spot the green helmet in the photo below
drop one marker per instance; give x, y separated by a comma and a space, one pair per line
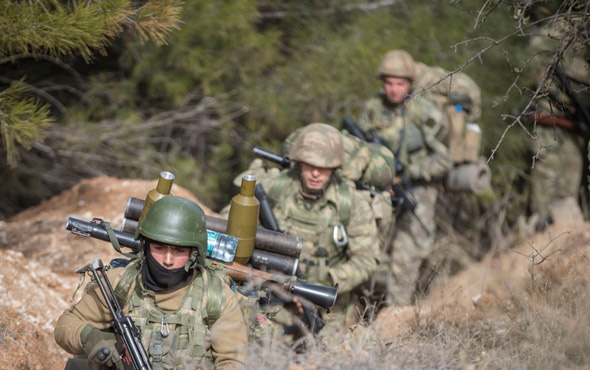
397, 63
319, 145
177, 221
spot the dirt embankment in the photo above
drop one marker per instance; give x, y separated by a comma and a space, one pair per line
38, 258
37, 262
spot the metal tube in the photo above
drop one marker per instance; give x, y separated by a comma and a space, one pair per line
96, 231
133, 208
266, 261
266, 240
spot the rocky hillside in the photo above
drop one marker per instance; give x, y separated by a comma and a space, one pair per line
510, 298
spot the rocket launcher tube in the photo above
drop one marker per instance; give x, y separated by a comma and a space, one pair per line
321, 295
219, 246
264, 260
266, 240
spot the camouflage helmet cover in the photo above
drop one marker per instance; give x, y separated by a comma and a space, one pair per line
319, 145
397, 63
177, 221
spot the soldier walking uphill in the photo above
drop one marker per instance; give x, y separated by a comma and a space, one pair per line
312, 200
169, 294
413, 130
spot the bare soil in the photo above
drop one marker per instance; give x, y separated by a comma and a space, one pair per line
38, 258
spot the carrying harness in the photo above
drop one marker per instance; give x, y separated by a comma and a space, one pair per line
188, 323
310, 223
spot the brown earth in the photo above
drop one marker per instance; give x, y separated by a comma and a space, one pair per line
37, 262
38, 257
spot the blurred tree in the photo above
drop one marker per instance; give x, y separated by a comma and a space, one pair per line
51, 30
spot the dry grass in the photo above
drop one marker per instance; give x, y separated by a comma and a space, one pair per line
545, 325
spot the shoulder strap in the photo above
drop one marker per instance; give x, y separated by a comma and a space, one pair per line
214, 296
125, 283
344, 202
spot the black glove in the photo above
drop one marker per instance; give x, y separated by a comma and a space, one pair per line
100, 347
312, 319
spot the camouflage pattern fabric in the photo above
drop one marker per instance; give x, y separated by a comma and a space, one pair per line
413, 130
558, 171
457, 89
190, 343
458, 97
322, 261
422, 152
363, 161
410, 248
372, 164
318, 144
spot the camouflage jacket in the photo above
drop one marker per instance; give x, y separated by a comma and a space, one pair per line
323, 261
413, 132
191, 344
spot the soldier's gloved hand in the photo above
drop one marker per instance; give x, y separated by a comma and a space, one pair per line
99, 347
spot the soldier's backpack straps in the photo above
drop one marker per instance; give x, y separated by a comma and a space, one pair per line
344, 202
213, 293
125, 283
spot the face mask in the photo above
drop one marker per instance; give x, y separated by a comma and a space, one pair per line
158, 278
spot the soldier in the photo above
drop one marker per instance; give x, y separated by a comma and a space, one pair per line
557, 173
413, 129
189, 318
312, 200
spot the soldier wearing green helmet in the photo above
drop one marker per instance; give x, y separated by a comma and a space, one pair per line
170, 295
414, 130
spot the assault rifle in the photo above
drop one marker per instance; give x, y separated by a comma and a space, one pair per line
133, 355
282, 160
324, 296
403, 198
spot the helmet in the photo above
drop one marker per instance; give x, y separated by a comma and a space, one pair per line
319, 145
177, 221
397, 63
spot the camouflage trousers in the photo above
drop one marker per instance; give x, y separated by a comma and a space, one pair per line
411, 245
558, 172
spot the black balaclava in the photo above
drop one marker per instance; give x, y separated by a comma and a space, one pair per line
158, 278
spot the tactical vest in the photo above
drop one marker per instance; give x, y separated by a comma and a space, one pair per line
402, 135
316, 223
174, 340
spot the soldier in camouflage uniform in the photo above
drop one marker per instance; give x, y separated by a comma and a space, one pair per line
189, 318
372, 167
557, 173
413, 129
312, 200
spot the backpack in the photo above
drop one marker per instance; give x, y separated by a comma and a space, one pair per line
459, 99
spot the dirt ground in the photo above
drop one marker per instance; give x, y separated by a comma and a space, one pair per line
38, 258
